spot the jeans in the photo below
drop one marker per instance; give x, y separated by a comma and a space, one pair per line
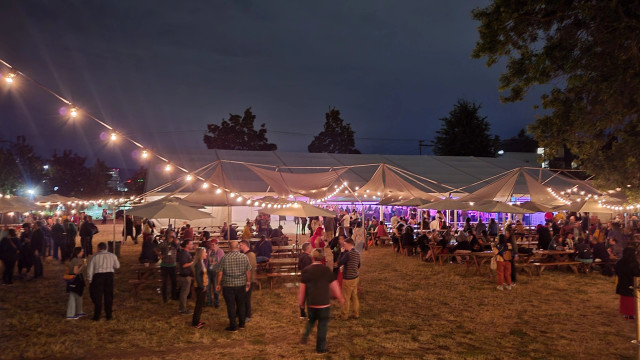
261, 259
322, 316
168, 273
213, 296
185, 287
504, 272
350, 292
74, 305
7, 274
234, 297
200, 295
102, 286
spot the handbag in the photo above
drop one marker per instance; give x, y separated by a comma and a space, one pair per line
76, 285
494, 264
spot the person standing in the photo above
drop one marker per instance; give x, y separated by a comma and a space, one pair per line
9, 252
234, 274
305, 256
503, 260
37, 249
104, 216
245, 249
127, 231
75, 302
626, 269
350, 259
86, 237
303, 225
214, 255
168, 251
186, 275
316, 284
201, 281
72, 232
100, 275
57, 233
137, 226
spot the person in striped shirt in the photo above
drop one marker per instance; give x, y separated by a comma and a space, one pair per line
100, 275
350, 259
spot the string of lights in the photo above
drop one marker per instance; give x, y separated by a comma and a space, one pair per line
74, 112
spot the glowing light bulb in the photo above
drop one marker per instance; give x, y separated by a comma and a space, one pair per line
73, 112
114, 136
239, 199
232, 194
9, 78
167, 167
205, 185
145, 154
189, 177
218, 191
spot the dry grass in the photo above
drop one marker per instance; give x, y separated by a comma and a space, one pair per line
409, 310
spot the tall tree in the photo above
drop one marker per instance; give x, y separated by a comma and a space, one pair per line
68, 174
238, 133
337, 137
20, 167
588, 55
465, 133
97, 180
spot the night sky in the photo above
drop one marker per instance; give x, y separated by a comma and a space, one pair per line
160, 70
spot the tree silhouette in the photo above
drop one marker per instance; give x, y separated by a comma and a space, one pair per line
238, 133
465, 133
337, 137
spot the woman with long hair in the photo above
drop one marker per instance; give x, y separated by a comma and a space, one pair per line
503, 253
74, 268
626, 268
201, 280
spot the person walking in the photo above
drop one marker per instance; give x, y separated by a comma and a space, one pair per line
100, 275
316, 284
201, 280
58, 235
9, 252
86, 237
75, 267
234, 278
350, 259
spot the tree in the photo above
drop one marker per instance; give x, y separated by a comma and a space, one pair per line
97, 180
337, 137
588, 54
135, 184
20, 167
465, 133
68, 174
238, 133
520, 143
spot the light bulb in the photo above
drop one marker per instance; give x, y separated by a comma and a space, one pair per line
114, 136
189, 177
205, 185
145, 154
167, 167
218, 191
73, 112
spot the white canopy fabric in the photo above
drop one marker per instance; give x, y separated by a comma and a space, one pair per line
385, 183
313, 184
300, 209
167, 209
447, 204
492, 206
590, 205
16, 203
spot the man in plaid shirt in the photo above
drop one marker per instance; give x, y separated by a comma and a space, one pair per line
234, 276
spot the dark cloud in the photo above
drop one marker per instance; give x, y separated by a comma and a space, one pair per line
162, 70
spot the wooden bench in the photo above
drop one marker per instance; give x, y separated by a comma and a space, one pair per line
540, 266
136, 284
279, 275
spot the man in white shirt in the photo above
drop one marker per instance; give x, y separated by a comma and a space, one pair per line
346, 223
100, 275
434, 225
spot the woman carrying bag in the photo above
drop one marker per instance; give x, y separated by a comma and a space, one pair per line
75, 284
503, 257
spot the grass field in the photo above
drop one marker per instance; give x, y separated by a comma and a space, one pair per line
409, 310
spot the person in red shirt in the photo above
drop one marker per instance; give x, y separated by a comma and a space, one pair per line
381, 234
188, 233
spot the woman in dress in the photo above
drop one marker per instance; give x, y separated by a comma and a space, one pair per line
626, 268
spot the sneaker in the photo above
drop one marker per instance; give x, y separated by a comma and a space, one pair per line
230, 329
200, 325
72, 317
499, 287
81, 315
513, 284
508, 287
241, 327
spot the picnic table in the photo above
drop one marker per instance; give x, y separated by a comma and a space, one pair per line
145, 274
542, 259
